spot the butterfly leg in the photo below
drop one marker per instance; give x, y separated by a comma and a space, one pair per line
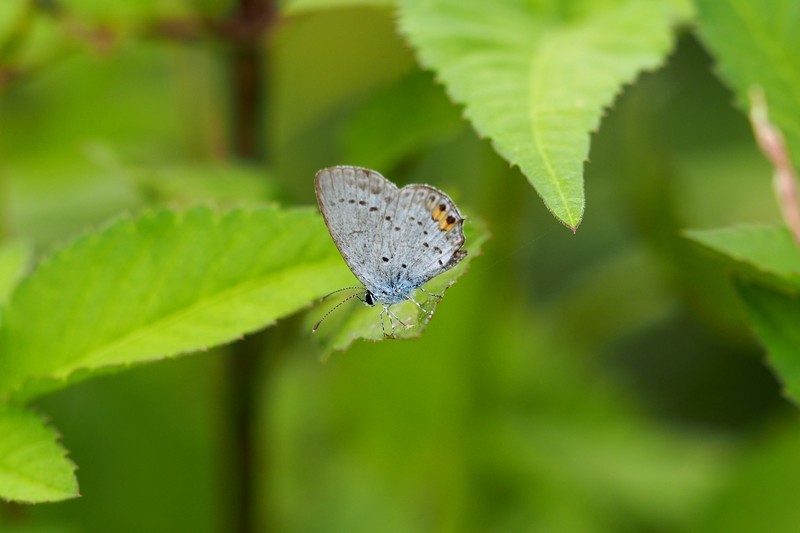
395, 317
383, 326
390, 316
440, 296
429, 313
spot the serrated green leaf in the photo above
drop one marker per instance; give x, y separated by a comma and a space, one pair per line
768, 249
14, 260
33, 465
758, 44
363, 322
536, 77
162, 284
775, 317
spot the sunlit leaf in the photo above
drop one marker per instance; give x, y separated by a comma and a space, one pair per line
162, 284
775, 317
33, 465
536, 77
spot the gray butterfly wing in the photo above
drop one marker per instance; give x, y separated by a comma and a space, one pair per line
353, 202
389, 237
430, 234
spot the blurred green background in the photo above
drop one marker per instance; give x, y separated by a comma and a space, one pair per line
602, 381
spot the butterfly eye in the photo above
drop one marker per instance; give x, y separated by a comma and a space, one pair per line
369, 299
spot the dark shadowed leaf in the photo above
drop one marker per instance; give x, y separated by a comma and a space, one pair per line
775, 317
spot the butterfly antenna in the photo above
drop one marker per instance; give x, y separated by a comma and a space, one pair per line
335, 307
340, 290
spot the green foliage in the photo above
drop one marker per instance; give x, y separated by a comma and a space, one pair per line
33, 466
602, 381
535, 78
160, 285
768, 250
387, 429
775, 316
757, 44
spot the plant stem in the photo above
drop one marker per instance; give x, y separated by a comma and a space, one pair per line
242, 382
245, 31
772, 143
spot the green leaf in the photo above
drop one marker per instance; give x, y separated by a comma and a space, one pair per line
769, 250
775, 317
362, 322
758, 44
536, 77
159, 285
33, 466
14, 260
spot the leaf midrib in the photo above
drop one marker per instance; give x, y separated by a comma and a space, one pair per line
535, 113
170, 319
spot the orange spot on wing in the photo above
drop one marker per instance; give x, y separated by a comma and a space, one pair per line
444, 225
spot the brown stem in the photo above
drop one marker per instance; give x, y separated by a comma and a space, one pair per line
242, 381
245, 32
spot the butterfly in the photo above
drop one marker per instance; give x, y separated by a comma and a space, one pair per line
394, 240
